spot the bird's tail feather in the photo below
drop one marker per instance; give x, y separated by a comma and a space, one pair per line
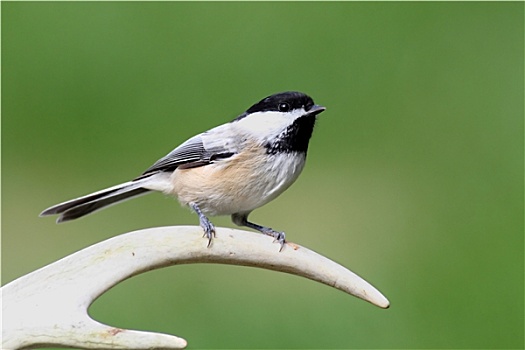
79, 207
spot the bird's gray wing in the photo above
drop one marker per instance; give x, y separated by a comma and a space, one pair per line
195, 152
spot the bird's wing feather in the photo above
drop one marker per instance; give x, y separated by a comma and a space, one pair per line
189, 152
197, 151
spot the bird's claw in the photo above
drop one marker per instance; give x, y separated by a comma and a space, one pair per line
209, 229
277, 235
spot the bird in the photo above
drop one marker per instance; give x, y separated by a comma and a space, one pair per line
231, 169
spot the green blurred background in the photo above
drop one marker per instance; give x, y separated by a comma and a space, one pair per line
414, 179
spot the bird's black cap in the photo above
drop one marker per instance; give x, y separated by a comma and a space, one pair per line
276, 102
280, 102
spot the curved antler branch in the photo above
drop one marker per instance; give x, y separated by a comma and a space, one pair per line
48, 307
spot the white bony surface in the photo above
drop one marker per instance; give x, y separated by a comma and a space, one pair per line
48, 307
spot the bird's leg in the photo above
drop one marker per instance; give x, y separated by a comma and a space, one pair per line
242, 220
209, 229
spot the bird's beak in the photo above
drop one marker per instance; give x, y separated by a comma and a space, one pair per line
316, 109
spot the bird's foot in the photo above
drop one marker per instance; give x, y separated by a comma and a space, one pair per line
209, 230
277, 235
207, 226
242, 220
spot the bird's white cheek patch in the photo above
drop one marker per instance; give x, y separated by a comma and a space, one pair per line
265, 125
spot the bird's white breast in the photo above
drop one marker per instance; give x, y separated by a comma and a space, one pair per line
238, 184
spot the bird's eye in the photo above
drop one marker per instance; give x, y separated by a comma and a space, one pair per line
284, 107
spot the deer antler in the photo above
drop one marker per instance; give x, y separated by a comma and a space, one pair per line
48, 307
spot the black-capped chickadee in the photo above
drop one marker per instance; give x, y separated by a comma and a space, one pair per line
231, 169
